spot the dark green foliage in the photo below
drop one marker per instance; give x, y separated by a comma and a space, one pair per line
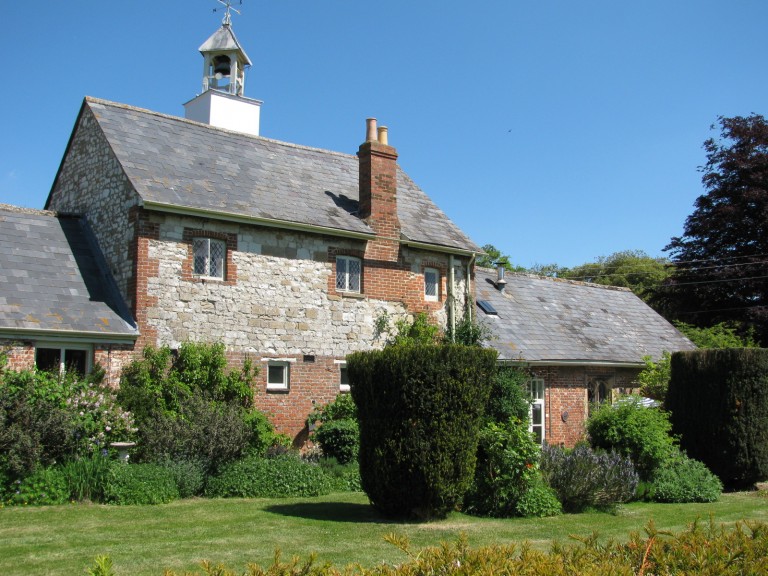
509, 399
418, 332
719, 405
131, 484
339, 439
342, 408
722, 335
43, 487
538, 500
585, 478
506, 470
86, 477
210, 433
628, 428
279, 477
343, 477
36, 428
420, 410
683, 479
189, 476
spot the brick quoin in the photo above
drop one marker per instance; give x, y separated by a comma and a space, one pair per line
144, 268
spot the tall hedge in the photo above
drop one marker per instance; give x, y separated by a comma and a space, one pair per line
420, 410
719, 405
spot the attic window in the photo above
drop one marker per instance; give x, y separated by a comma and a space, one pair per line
209, 257
487, 307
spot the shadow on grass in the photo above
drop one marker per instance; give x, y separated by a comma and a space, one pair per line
334, 511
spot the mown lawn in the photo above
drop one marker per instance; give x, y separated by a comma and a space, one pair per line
340, 528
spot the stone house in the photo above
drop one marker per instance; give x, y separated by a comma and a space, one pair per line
582, 343
286, 254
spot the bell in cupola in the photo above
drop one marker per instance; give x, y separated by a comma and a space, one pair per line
222, 66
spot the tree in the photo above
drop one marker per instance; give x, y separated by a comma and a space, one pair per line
493, 257
632, 269
721, 260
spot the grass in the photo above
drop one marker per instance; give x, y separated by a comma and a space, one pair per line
341, 528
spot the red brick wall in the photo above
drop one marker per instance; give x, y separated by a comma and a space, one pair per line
565, 396
113, 358
20, 355
144, 267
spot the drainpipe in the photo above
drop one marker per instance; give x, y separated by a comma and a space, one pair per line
451, 299
470, 263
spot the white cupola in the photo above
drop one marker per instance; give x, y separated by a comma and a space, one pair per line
223, 102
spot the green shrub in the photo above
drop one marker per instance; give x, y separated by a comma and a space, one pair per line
683, 479
280, 477
510, 397
538, 500
584, 478
343, 477
189, 476
44, 487
507, 466
140, 484
719, 405
339, 439
341, 408
86, 477
654, 378
420, 410
630, 429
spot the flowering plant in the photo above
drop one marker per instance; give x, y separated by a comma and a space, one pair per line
98, 418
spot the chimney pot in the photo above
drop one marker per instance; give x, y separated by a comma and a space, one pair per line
383, 135
370, 135
500, 282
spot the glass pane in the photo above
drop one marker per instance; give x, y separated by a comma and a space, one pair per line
76, 361
538, 434
200, 248
218, 253
430, 283
48, 359
341, 273
276, 375
354, 275
343, 377
536, 414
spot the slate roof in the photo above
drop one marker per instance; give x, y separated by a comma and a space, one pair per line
560, 321
224, 39
177, 162
52, 279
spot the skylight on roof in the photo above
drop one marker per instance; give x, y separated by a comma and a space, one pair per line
487, 307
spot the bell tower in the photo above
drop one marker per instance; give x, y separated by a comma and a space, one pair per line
223, 102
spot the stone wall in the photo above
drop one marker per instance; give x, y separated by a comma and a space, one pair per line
92, 183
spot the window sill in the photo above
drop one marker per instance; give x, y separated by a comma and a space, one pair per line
275, 389
357, 295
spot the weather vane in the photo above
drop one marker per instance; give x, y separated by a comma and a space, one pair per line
228, 9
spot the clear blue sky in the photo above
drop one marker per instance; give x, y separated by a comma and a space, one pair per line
558, 131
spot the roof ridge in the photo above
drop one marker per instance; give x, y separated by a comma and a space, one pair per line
561, 280
23, 210
93, 99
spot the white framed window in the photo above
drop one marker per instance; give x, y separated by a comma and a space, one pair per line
209, 256
537, 415
278, 375
343, 375
431, 284
62, 358
348, 272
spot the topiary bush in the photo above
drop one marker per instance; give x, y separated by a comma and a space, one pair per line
140, 484
627, 427
279, 477
719, 405
584, 478
684, 479
420, 409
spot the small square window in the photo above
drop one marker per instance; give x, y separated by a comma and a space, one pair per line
209, 257
343, 378
278, 375
348, 272
431, 284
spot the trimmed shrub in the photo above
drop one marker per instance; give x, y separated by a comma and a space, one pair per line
683, 479
44, 487
339, 439
719, 405
635, 431
140, 484
280, 477
584, 478
420, 409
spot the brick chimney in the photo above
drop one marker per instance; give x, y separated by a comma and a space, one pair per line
378, 187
